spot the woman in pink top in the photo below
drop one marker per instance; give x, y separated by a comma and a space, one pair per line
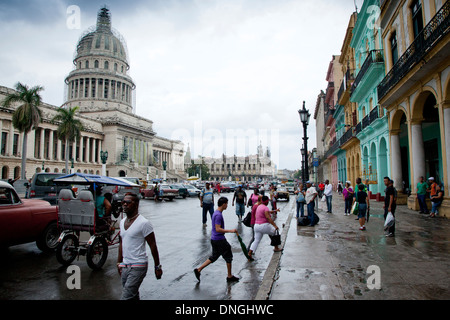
253, 219
263, 225
253, 198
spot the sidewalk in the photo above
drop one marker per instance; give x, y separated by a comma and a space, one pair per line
330, 261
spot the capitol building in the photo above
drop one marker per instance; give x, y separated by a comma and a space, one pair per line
100, 85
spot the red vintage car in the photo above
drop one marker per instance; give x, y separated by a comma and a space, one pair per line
168, 193
26, 220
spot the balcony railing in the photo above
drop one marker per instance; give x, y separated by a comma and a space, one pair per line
374, 56
350, 133
341, 90
349, 76
335, 145
367, 120
374, 114
434, 31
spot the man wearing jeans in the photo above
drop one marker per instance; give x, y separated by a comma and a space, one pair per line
422, 187
207, 202
328, 192
310, 196
132, 260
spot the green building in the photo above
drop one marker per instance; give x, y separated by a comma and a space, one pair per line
373, 128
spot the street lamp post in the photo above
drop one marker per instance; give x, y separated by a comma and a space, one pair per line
304, 118
103, 157
302, 150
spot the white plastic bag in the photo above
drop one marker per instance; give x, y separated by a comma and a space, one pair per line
389, 221
324, 198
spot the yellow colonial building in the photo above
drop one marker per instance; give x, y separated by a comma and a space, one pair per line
349, 142
416, 93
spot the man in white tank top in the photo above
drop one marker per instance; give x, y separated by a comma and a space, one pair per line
132, 260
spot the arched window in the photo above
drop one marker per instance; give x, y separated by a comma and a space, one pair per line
115, 66
106, 65
96, 64
87, 64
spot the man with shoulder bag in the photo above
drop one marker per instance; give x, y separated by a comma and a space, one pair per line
300, 200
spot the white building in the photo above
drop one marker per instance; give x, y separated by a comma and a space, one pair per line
101, 86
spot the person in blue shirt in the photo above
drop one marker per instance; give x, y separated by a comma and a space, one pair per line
207, 202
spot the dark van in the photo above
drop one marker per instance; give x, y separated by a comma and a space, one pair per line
42, 186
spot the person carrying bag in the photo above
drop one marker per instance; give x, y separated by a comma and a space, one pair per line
300, 200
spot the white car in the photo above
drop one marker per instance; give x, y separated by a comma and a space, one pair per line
192, 190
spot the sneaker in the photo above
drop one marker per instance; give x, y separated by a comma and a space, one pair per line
390, 235
362, 228
197, 274
232, 279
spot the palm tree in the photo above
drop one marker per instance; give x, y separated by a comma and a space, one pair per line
69, 128
27, 116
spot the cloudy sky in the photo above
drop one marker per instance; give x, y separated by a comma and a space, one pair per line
221, 75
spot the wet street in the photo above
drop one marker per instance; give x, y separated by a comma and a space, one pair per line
183, 244
332, 261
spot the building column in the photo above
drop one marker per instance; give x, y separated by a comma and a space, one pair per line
418, 153
1, 130
42, 145
446, 107
50, 145
98, 151
58, 150
88, 150
74, 151
396, 160
81, 148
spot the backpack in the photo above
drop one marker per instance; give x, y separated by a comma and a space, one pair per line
303, 221
315, 219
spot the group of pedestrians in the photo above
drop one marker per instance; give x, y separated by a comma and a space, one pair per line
306, 196
357, 199
262, 222
136, 231
436, 196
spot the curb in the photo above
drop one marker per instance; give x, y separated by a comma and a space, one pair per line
272, 269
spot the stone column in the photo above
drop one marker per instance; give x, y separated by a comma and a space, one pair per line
42, 145
98, 151
50, 145
418, 153
73, 147
1, 128
88, 150
396, 159
81, 148
58, 150
446, 107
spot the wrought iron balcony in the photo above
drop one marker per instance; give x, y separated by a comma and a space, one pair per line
368, 120
349, 134
374, 114
433, 32
345, 84
374, 56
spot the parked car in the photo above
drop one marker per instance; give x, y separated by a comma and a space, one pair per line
192, 190
26, 220
43, 187
225, 187
168, 193
182, 191
290, 186
119, 192
282, 193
